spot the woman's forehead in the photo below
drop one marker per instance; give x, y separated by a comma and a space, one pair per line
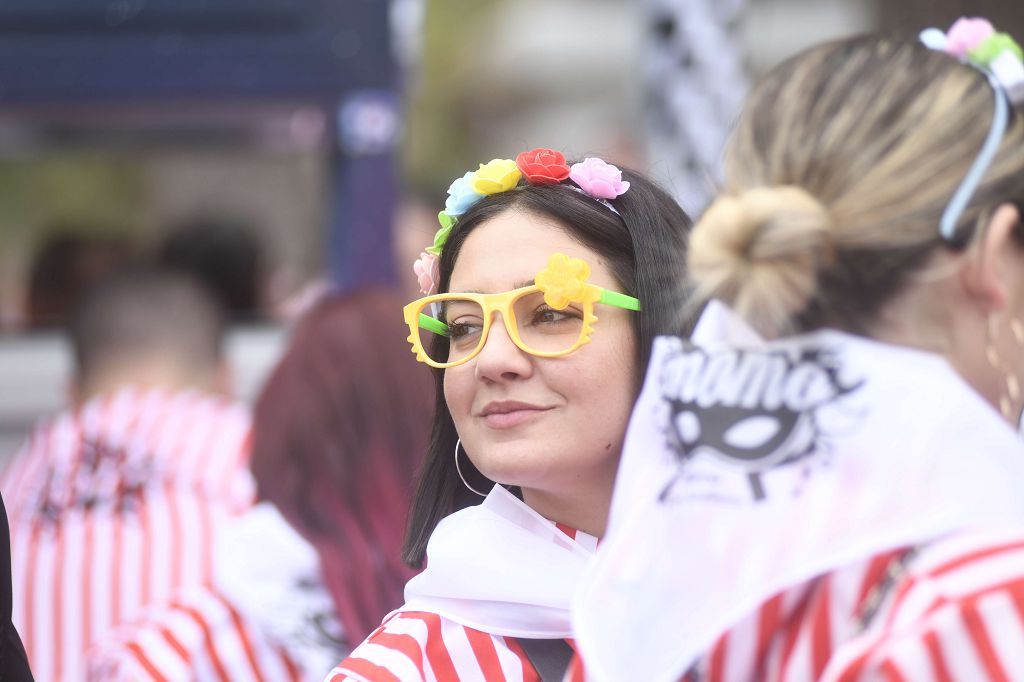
509, 250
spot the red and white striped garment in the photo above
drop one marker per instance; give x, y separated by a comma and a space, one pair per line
202, 636
412, 646
115, 506
267, 616
954, 612
417, 646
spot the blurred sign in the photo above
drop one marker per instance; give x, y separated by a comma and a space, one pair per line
93, 49
368, 123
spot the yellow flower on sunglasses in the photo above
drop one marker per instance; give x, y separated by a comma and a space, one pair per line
551, 318
498, 175
565, 281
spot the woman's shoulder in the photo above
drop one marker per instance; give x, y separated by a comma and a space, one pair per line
199, 635
411, 646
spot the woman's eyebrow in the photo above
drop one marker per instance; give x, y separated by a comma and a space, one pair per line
515, 285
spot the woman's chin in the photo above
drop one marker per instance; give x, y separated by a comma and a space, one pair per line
515, 470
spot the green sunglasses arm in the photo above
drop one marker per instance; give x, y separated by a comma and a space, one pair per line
433, 325
619, 300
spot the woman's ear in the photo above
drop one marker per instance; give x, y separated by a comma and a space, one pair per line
995, 266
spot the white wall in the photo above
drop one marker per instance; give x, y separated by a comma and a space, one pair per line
34, 372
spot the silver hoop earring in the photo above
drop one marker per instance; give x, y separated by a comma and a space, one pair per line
458, 442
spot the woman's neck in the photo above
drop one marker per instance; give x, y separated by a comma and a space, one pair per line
585, 510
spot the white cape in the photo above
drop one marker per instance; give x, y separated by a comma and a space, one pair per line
747, 472
272, 575
501, 568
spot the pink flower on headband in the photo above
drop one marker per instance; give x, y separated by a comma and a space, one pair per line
428, 273
967, 34
598, 179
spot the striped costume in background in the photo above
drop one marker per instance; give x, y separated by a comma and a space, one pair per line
484, 600
412, 646
114, 506
954, 612
267, 616
200, 636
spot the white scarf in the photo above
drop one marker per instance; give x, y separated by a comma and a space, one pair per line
501, 568
898, 450
272, 575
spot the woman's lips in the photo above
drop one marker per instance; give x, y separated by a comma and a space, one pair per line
508, 415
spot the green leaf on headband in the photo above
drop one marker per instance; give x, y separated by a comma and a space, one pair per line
992, 47
441, 237
447, 221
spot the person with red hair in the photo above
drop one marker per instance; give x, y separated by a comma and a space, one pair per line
339, 431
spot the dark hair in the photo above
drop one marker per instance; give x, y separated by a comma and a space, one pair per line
146, 312
65, 266
225, 255
339, 431
645, 249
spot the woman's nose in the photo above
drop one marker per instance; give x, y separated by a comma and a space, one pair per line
501, 359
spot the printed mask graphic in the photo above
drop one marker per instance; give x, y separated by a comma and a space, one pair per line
751, 410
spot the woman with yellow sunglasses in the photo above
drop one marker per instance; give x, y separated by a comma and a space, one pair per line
555, 280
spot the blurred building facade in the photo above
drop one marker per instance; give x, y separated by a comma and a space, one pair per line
124, 118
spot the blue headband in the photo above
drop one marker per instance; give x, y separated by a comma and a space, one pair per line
996, 55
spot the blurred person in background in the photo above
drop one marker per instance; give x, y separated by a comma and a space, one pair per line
118, 502
339, 431
842, 501
66, 265
533, 394
226, 256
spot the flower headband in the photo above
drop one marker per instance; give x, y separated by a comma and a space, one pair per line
976, 43
593, 177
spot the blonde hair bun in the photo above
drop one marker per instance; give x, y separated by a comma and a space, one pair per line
759, 252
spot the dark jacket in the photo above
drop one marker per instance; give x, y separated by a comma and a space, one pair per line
13, 661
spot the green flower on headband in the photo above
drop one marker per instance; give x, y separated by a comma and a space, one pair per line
992, 47
441, 236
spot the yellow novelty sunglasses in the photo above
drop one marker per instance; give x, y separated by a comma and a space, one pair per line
551, 318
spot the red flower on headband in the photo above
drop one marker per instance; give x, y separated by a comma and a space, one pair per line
543, 166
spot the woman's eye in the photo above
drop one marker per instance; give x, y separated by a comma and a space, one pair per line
461, 330
549, 316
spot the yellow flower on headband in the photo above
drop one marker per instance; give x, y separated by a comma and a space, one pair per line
499, 175
565, 281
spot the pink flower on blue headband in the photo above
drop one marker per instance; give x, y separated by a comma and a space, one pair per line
966, 34
975, 41
598, 179
461, 195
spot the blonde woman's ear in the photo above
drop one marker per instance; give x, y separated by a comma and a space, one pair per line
996, 270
